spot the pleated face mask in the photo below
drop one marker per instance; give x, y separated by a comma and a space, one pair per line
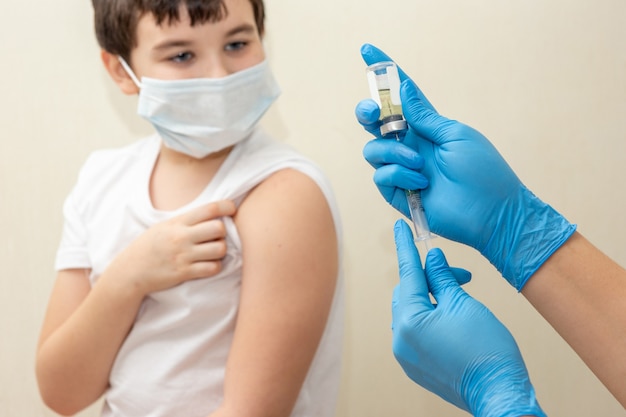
200, 116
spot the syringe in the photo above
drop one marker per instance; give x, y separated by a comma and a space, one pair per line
384, 83
418, 216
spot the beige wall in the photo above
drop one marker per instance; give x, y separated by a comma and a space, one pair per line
546, 81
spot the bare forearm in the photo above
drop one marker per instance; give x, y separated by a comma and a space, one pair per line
581, 293
74, 362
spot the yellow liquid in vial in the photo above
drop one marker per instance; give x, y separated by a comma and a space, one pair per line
387, 108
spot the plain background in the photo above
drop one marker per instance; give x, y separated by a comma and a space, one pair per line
545, 81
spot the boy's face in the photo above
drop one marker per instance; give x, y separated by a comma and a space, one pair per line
210, 50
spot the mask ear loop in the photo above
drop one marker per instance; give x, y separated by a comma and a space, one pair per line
129, 71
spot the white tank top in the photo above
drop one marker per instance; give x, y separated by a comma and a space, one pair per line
172, 362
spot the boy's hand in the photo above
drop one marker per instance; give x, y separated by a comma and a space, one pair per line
180, 249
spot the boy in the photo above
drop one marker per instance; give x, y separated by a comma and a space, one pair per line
198, 273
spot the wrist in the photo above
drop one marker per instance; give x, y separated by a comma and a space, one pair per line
529, 231
503, 393
119, 281
511, 401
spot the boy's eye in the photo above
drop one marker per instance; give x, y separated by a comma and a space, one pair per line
182, 57
235, 46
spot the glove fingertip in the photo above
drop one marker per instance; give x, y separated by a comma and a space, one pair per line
462, 276
371, 54
439, 275
401, 229
436, 258
366, 48
367, 112
408, 256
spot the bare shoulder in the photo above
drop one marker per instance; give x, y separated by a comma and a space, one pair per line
289, 179
276, 216
287, 190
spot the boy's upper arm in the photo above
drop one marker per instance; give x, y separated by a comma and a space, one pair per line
70, 289
289, 276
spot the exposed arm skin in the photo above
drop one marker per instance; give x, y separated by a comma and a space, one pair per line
289, 276
84, 327
83, 330
581, 293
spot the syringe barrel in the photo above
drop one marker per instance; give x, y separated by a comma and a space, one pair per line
418, 216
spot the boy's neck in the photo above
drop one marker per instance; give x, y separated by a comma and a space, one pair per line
178, 158
177, 179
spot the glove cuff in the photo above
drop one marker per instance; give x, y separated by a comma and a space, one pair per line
510, 405
500, 387
527, 233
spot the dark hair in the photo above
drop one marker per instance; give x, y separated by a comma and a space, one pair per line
116, 20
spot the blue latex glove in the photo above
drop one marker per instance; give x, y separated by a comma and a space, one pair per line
457, 348
470, 194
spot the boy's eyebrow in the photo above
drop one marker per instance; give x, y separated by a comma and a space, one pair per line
243, 28
177, 43
172, 43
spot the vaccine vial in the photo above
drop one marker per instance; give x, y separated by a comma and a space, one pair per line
384, 83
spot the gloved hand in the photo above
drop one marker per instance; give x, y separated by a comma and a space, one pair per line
470, 194
456, 348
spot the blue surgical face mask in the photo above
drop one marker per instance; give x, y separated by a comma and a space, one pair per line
200, 116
